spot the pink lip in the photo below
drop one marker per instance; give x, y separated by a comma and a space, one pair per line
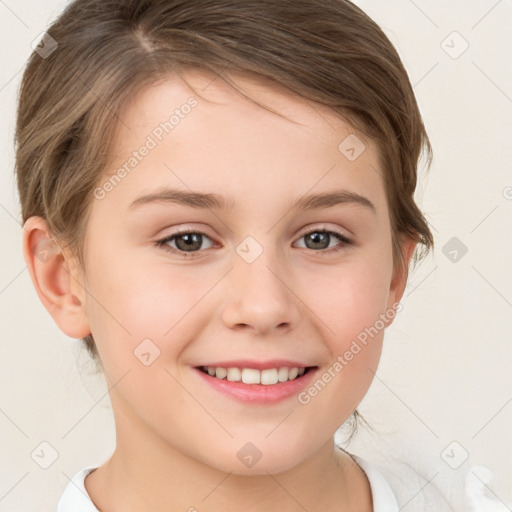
258, 393
257, 365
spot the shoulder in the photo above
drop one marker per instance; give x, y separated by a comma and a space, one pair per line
405, 484
75, 496
383, 496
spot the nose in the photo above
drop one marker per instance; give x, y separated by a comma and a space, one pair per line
260, 296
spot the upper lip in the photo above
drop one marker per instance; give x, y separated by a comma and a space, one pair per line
257, 365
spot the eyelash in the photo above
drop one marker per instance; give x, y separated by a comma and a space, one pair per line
190, 254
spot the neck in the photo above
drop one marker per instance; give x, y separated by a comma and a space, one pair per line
146, 473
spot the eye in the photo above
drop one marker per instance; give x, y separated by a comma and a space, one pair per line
186, 242
319, 239
189, 242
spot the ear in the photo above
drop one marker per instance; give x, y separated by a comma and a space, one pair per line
399, 279
57, 278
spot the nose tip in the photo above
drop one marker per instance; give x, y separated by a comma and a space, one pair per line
259, 327
259, 298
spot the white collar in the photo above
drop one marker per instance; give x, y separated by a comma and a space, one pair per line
76, 499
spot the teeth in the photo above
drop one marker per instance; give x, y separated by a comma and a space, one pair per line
220, 373
269, 376
253, 376
234, 374
282, 374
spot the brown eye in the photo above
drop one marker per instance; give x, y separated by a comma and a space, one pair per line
186, 242
189, 241
320, 240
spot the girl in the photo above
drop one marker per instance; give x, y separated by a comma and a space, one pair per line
218, 199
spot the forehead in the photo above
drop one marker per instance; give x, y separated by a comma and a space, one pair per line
220, 103
205, 136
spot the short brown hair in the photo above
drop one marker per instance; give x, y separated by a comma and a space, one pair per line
327, 51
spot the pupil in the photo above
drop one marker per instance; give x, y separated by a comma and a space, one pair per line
319, 237
190, 239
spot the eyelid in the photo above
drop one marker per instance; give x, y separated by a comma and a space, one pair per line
324, 227
162, 242
345, 240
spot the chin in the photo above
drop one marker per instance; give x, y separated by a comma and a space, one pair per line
252, 459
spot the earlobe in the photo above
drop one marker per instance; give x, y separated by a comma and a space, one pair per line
56, 279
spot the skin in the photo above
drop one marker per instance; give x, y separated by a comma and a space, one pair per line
177, 439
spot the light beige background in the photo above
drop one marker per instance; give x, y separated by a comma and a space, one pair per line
445, 374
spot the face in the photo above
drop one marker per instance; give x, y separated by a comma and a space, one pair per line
263, 280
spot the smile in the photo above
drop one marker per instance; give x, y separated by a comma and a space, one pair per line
266, 377
258, 386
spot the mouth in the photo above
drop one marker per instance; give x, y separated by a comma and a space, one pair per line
257, 385
267, 377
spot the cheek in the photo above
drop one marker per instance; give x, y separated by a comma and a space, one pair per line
352, 303
134, 301
351, 308
352, 300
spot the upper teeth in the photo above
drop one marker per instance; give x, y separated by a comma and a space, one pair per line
253, 376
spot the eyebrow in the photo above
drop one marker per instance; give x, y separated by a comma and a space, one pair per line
214, 201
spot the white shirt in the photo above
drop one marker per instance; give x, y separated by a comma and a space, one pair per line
76, 499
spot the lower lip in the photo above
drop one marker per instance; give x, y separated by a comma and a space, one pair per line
259, 393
